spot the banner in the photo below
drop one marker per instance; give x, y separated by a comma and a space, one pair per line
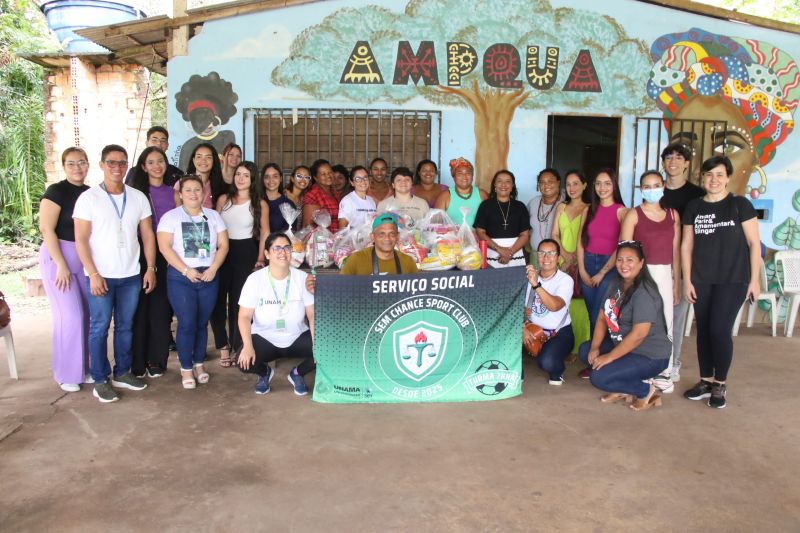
428, 337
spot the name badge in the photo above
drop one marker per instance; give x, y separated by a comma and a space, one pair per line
280, 324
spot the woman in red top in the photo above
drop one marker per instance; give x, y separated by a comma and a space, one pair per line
658, 229
321, 195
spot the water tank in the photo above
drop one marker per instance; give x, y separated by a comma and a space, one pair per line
66, 16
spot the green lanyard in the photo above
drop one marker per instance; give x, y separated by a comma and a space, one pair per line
281, 304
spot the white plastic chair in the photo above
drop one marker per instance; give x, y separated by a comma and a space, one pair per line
765, 295
690, 318
10, 353
788, 262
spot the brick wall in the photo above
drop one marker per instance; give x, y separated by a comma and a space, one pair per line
91, 107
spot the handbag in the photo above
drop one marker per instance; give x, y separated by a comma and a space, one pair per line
5, 311
533, 344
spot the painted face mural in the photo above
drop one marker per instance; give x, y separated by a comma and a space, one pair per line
750, 86
206, 103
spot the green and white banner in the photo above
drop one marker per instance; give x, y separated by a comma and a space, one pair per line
428, 337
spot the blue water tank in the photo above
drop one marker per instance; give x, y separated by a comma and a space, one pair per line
66, 16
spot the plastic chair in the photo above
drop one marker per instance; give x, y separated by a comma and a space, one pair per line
788, 262
734, 331
10, 353
765, 295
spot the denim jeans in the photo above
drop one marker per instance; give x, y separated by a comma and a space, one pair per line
626, 374
554, 351
121, 300
193, 304
593, 296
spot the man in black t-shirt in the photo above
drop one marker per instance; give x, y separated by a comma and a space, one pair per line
158, 137
678, 191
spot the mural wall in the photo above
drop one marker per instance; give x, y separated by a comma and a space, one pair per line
496, 70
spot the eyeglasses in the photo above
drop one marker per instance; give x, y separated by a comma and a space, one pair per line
302, 177
76, 164
159, 140
118, 164
278, 249
547, 253
359, 179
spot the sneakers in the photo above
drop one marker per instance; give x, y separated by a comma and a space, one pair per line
70, 387
298, 382
262, 385
88, 378
700, 391
104, 392
717, 399
585, 373
557, 382
676, 374
154, 372
128, 381
663, 383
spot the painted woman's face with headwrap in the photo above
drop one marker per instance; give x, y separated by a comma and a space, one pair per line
713, 138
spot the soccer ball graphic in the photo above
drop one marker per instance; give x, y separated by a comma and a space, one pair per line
492, 389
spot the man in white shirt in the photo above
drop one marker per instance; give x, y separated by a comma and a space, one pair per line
107, 218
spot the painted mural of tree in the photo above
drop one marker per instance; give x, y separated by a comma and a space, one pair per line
319, 54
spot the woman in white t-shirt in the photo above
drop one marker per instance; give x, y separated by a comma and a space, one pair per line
273, 310
194, 241
547, 306
357, 207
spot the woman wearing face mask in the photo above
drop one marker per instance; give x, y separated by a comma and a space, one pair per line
271, 190
246, 216
658, 230
358, 206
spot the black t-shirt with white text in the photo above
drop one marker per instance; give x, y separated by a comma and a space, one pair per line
720, 253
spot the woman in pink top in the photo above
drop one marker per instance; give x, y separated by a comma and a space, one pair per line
599, 237
658, 230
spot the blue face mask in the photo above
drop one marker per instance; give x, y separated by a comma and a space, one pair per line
653, 195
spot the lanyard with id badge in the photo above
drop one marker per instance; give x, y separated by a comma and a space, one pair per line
280, 323
198, 237
120, 214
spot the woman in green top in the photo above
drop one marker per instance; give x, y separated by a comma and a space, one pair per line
566, 231
464, 194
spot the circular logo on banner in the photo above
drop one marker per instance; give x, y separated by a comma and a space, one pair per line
420, 347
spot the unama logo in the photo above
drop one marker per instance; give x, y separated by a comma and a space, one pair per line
420, 348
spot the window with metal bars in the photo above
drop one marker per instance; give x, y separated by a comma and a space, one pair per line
291, 137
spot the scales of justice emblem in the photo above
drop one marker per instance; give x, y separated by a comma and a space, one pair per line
419, 349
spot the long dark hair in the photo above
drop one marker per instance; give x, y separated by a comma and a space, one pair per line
493, 192
263, 188
581, 176
642, 279
255, 197
141, 180
218, 185
594, 204
290, 185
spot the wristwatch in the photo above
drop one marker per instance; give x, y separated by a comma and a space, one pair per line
538, 285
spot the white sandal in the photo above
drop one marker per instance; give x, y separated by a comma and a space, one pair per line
187, 382
200, 373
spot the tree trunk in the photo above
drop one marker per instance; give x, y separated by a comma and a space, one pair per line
494, 110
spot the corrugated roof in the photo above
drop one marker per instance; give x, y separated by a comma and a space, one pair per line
146, 41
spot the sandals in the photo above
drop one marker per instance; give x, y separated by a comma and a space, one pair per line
614, 397
225, 359
653, 399
200, 373
187, 381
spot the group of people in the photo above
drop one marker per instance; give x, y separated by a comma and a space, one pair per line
209, 246
637, 271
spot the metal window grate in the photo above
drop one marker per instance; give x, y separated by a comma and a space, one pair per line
703, 137
292, 137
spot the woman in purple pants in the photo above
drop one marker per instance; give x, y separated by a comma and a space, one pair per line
62, 273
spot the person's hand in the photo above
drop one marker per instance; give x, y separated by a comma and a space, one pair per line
753, 290
311, 283
259, 265
689, 292
208, 274
193, 275
585, 277
676, 294
149, 281
63, 277
600, 361
246, 357
97, 285
594, 353
533, 276
597, 279
504, 254
569, 258
527, 335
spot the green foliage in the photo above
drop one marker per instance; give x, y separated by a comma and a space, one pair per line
783, 10
22, 175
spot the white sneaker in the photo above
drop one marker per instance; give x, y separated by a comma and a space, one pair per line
557, 382
70, 387
663, 383
88, 378
676, 374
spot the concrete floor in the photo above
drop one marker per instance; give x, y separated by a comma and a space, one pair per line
221, 458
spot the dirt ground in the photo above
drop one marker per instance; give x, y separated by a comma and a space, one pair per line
220, 458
